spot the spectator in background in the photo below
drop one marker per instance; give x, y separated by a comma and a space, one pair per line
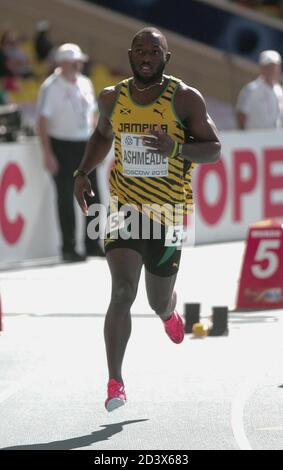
17, 60
260, 102
66, 120
9, 81
43, 44
3, 95
4, 65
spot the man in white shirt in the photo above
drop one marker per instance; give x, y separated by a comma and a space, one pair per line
260, 102
66, 119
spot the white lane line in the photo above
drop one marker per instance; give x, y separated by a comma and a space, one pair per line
12, 390
237, 415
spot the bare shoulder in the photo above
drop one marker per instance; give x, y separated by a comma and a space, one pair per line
188, 100
107, 99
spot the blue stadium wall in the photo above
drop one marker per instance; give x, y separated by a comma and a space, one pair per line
213, 26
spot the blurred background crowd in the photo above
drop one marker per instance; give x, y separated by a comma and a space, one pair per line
26, 59
237, 28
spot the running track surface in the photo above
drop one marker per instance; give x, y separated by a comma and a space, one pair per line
213, 393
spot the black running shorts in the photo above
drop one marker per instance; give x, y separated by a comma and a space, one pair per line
160, 249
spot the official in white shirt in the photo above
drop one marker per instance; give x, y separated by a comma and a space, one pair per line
260, 102
66, 119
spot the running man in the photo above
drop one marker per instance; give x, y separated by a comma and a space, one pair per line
161, 130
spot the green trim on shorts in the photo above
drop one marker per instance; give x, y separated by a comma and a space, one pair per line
169, 251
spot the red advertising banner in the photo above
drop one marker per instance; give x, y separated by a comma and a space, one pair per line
261, 280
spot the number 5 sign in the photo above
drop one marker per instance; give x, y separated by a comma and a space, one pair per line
261, 281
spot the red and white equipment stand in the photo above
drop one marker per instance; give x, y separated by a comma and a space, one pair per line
261, 281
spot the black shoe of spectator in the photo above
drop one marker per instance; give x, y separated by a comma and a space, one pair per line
73, 257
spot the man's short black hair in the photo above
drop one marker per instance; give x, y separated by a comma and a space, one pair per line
153, 32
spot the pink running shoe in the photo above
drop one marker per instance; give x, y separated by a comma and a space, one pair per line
116, 395
174, 328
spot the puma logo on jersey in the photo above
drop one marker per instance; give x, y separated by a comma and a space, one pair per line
160, 112
125, 111
109, 240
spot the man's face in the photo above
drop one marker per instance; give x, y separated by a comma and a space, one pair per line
148, 57
74, 66
271, 72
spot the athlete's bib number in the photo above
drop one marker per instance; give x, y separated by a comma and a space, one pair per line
115, 222
139, 161
174, 235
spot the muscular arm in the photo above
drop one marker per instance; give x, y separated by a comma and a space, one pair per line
98, 146
205, 146
191, 110
100, 142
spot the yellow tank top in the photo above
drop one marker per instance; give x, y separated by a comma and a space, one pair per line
144, 178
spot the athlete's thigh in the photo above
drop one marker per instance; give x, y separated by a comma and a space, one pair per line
161, 268
160, 259
159, 289
125, 265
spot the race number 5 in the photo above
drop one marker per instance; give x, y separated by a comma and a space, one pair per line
174, 235
266, 252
